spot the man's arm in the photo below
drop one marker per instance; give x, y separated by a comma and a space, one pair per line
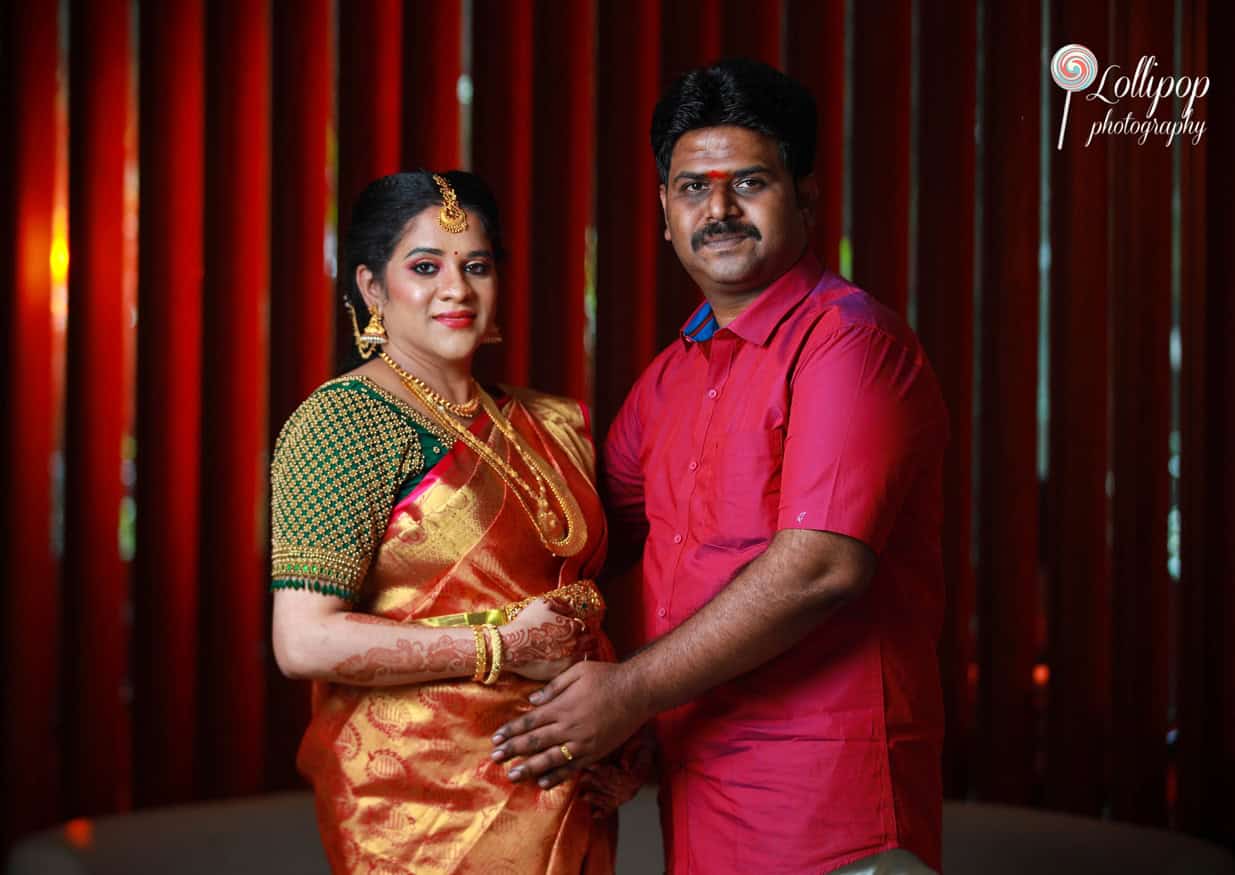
772, 604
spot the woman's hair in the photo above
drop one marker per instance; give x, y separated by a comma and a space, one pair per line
382, 211
743, 93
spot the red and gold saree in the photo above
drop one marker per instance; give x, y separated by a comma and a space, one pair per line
402, 775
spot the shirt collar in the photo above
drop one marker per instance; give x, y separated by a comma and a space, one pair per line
762, 315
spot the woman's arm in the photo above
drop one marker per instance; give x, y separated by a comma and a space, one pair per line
316, 637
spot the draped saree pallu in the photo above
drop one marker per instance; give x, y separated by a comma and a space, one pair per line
402, 774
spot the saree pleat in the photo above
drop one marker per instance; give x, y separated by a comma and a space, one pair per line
402, 775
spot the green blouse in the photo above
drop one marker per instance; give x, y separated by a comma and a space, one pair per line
343, 460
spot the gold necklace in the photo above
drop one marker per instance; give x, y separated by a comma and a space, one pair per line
431, 398
546, 523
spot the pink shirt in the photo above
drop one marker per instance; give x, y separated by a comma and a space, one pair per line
814, 409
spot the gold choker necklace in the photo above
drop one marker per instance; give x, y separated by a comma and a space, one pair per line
426, 394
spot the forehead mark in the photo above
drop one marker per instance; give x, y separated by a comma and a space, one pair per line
718, 174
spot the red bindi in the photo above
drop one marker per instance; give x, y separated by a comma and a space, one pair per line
717, 174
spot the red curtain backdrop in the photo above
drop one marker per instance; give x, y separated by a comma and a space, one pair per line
169, 225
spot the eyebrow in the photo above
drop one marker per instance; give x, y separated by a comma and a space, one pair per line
475, 253
741, 171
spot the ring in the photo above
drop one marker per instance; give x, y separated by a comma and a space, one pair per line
566, 752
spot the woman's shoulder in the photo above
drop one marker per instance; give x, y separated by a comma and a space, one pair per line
543, 405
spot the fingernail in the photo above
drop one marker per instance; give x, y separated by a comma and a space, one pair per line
498, 738
498, 755
536, 697
515, 774
544, 783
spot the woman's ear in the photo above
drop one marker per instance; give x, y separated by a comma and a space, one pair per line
370, 288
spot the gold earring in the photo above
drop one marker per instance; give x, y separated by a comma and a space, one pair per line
493, 335
375, 332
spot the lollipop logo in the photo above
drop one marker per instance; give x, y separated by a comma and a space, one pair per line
1073, 68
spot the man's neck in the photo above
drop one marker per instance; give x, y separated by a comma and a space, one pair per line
729, 306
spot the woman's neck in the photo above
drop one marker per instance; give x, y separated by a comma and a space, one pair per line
452, 379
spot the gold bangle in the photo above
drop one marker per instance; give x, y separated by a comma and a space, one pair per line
482, 655
495, 655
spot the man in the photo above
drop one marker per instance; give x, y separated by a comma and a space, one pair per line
782, 461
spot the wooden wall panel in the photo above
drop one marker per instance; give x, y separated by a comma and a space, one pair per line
302, 299
1077, 512
31, 678
100, 408
235, 462
1141, 320
169, 373
945, 326
880, 160
1007, 583
502, 145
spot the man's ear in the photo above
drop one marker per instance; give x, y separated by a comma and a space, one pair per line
370, 288
808, 198
664, 209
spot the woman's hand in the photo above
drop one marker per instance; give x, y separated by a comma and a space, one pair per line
544, 640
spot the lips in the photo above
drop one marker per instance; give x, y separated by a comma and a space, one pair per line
456, 319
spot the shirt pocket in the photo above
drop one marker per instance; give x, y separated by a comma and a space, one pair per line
742, 501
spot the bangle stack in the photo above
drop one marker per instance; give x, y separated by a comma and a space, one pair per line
488, 660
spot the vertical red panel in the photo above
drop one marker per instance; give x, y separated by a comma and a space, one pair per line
1077, 511
562, 194
880, 160
815, 31
302, 301
100, 407
370, 112
1207, 650
1007, 533
29, 150
1141, 324
629, 219
692, 37
234, 397
754, 30
945, 324
432, 62
502, 146
168, 400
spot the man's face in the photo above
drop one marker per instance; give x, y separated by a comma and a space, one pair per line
732, 211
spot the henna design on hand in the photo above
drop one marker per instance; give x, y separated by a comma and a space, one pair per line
408, 659
548, 642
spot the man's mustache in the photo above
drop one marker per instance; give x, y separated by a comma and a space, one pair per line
718, 229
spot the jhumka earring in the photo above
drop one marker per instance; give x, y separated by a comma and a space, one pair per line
374, 334
493, 335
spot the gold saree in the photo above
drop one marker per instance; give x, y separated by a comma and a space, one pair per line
402, 775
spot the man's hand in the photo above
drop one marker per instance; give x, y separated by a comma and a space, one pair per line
591, 709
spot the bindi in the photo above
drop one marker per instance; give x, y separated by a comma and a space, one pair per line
718, 175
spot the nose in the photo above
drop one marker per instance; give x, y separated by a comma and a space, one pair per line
721, 202
454, 284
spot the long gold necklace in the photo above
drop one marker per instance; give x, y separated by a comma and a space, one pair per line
431, 398
564, 537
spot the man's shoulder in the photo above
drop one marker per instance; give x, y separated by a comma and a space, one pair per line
838, 306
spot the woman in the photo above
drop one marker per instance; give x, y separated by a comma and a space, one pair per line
416, 521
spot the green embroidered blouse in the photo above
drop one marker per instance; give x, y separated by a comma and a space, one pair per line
342, 461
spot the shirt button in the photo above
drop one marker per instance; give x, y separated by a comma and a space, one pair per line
711, 393
677, 539
693, 464
660, 612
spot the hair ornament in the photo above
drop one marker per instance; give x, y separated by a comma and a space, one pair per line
451, 218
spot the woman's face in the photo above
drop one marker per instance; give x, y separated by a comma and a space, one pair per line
439, 291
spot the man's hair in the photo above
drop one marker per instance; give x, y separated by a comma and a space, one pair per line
743, 93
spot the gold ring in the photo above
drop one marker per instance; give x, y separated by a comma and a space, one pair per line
566, 752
